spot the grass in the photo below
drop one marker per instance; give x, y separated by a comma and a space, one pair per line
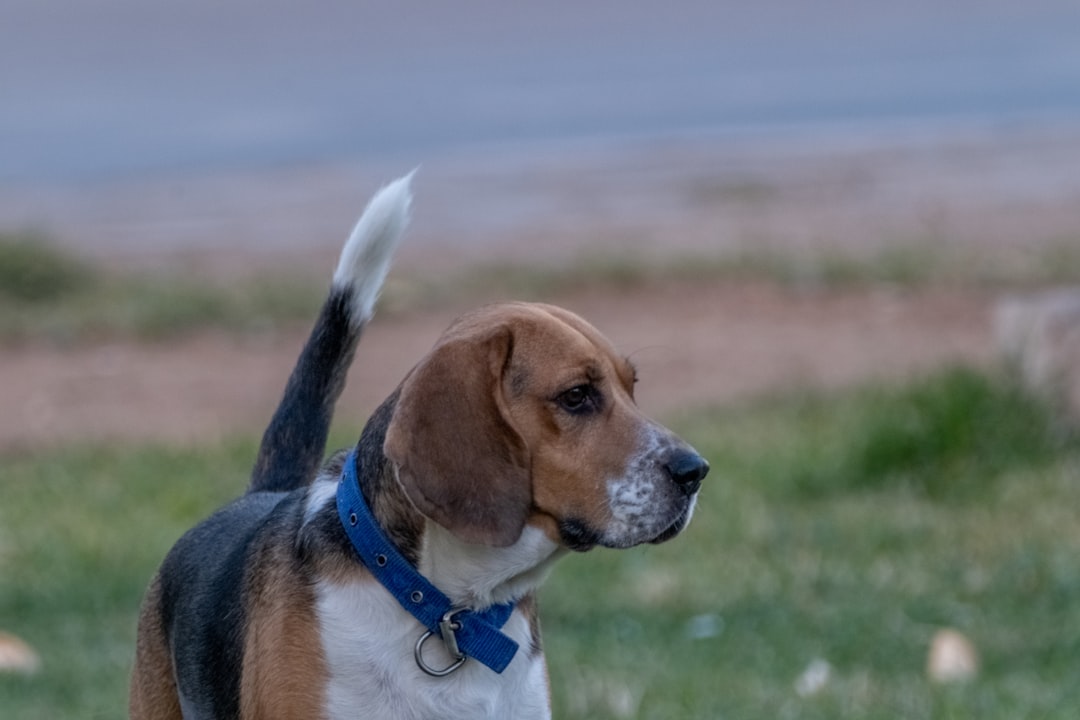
47, 294
906, 263
79, 531
912, 522
32, 271
945, 436
810, 543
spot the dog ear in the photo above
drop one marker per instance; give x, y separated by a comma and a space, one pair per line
458, 455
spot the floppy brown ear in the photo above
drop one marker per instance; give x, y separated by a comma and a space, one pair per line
458, 456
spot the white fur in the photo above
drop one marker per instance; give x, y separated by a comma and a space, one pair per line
368, 642
322, 491
365, 259
368, 638
643, 501
479, 575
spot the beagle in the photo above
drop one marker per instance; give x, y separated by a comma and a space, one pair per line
398, 579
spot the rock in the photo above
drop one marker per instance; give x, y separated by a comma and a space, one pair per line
952, 657
1039, 336
814, 678
17, 656
703, 627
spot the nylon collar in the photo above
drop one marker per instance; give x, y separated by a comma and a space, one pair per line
466, 633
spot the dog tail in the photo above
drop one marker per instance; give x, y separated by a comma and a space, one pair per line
293, 445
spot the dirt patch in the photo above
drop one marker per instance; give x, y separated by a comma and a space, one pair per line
694, 345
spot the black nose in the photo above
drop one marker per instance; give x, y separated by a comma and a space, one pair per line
687, 469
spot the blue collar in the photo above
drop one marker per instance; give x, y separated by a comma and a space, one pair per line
466, 633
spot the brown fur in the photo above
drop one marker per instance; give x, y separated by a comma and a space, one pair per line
484, 395
453, 444
284, 669
153, 689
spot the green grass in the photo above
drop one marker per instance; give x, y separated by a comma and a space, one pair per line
80, 533
946, 436
32, 271
47, 294
907, 263
847, 529
810, 542
159, 306
52, 295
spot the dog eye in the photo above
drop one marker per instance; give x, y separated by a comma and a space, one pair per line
576, 399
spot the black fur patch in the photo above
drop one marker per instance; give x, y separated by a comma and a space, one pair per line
576, 535
204, 600
293, 445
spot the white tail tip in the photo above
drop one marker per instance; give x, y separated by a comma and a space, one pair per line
365, 259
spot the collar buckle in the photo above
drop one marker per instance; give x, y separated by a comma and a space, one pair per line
448, 628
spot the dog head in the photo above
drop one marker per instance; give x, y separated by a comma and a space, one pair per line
524, 414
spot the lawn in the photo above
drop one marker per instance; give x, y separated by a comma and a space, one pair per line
49, 294
842, 529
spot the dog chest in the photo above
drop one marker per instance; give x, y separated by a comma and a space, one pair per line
368, 642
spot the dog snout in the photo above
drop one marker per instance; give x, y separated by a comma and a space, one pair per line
686, 469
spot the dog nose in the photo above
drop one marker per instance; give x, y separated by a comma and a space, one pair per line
687, 469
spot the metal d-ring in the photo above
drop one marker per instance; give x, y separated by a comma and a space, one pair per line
447, 627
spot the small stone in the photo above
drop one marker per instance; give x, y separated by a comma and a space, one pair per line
952, 657
1038, 336
814, 678
16, 656
703, 627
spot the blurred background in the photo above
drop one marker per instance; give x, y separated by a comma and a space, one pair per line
824, 230
155, 128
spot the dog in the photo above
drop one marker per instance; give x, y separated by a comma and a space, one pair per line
398, 579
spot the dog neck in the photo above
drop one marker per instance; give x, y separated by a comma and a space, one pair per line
478, 576
394, 512
472, 575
